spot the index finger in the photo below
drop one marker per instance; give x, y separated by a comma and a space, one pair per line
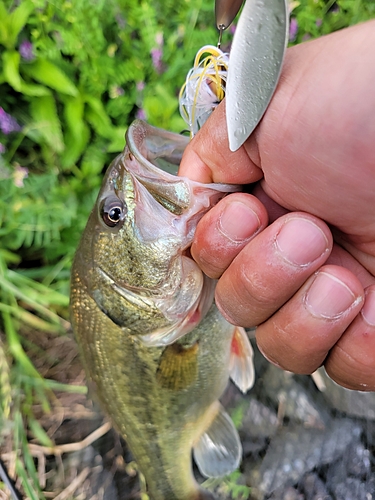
208, 158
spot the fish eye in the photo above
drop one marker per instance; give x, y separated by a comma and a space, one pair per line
113, 211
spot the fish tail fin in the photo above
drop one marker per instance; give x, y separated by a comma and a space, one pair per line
218, 451
241, 367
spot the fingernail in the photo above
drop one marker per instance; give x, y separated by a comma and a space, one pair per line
238, 222
328, 297
368, 310
300, 241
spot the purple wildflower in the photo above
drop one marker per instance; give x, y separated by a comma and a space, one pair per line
8, 124
27, 51
157, 52
20, 173
156, 55
120, 21
116, 91
232, 29
159, 39
293, 29
141, 114
140, 86
318, 23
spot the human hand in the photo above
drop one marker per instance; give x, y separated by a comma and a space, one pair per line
312, 294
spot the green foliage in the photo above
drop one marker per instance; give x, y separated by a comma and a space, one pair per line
32, 303
229, 486
73, 75
320, 17
74, 94
12, 22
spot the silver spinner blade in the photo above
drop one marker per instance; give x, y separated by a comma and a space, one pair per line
254, 66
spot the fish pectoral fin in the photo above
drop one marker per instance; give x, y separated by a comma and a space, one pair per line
241, 366
218, 451
178, 366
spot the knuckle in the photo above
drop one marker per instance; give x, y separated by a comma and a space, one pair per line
350, 369
280, 341
262, 292
209, 263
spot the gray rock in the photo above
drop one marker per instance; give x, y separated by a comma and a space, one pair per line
313, 487
354, 464
353, 489
354, 403
296, 450
360, 463
258, 419
293, 400
259, 423
288, 493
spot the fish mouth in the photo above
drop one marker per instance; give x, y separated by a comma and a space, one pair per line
183, 309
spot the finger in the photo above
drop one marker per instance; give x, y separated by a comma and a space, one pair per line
208, 158
225, 230
272, 267
274, 210
361, 247
351, 362
300, 335
342, 258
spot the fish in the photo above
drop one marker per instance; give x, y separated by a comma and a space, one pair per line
157, 352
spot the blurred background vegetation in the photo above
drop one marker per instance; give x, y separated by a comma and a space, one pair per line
73, 75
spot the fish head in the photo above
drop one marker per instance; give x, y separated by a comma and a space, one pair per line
134, 255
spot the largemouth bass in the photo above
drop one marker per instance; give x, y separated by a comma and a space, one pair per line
156, 349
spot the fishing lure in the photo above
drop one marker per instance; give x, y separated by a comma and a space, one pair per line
204, 87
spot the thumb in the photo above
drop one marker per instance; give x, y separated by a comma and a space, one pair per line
208, 158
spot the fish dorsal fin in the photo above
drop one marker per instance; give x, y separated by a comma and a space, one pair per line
218, 451
241, 366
